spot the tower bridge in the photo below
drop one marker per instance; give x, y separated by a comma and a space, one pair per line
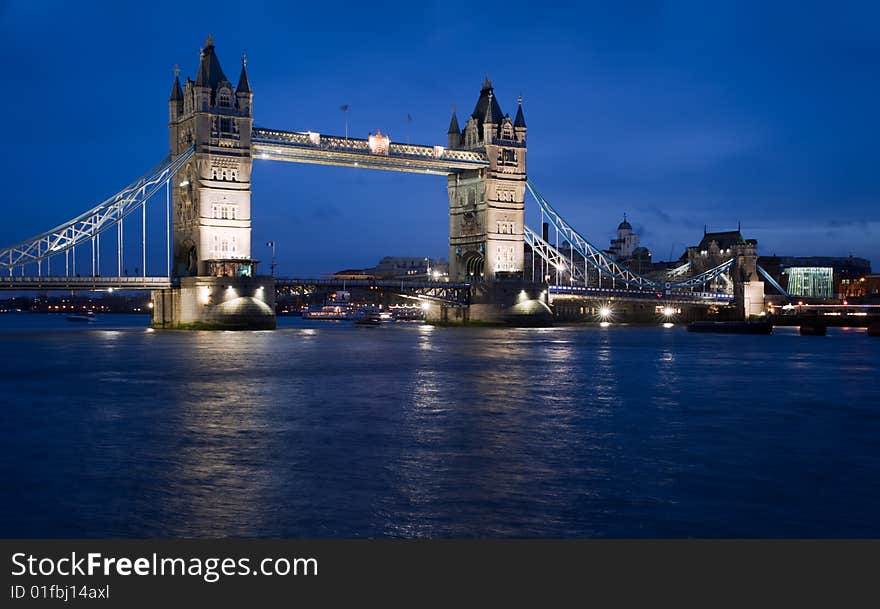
210, 276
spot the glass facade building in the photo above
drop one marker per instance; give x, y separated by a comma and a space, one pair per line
815, 281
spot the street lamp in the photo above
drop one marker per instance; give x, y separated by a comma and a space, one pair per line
272, 245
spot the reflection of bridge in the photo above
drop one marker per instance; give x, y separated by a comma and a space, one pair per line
208, 271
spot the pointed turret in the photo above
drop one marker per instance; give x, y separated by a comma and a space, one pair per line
491, 119
244, 85
490, 116
176, 91
487, 105
453, 135
210, 73
175, 100
453, 124
520, 120
519, 123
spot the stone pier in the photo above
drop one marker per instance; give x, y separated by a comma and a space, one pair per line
216, 303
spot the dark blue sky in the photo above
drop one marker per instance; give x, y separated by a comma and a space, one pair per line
680, 114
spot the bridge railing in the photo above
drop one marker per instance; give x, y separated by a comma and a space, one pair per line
593, 255
89, 283
608, 267
440, 291
335, 143
659, 296
553, 258
87, 226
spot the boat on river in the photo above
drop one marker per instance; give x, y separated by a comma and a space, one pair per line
84, 318
731, 327
368, 316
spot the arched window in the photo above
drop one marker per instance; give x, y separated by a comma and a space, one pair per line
224, 98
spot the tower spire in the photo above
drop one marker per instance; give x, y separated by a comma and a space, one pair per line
176, 91
490, 115
520, 120
210, 72
453, 123
244, 85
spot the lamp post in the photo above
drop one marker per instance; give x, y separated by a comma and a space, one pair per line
345, 108
272, 245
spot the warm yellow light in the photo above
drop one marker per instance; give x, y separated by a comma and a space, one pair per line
425, 305
605, 312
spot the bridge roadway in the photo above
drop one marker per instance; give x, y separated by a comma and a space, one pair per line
673, 297
373, 153
439, 290
457, 293
25, 283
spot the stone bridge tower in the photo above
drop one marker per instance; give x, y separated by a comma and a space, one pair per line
212, 195
748, 289
211, 208
486, 206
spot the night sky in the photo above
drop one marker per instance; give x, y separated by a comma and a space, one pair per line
679, 114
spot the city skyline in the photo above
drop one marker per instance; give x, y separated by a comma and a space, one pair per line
662, 113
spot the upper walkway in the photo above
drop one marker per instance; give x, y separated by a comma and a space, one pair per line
376, 152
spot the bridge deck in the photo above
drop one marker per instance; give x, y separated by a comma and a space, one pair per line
365, 283
83, 283
674, 296
321, 149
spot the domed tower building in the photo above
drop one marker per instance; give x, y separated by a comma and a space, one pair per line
627, 242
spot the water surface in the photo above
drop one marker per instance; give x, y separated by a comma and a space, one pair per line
325, 429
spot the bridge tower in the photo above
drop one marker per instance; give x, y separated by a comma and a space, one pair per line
487, 206
486, 218
211, 205
748, 289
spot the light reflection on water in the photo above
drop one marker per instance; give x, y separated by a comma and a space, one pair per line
322, 430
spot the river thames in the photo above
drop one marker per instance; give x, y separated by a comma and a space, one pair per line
325, 429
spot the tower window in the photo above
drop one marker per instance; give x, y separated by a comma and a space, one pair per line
226, 125
224, 100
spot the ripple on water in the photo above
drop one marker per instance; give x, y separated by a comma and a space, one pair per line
320, 430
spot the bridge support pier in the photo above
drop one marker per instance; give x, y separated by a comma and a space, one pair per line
216, 303
513, 303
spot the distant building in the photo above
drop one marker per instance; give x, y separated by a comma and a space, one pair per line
811, 281
846, 273
627, 242
400, 267
865, 288
353, 274
714, 249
